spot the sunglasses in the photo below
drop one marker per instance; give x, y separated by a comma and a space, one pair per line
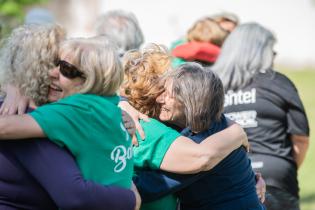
68, 70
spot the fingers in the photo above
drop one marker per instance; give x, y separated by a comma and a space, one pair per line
22, 107
4, 110
260, 187
140, 130
135, 141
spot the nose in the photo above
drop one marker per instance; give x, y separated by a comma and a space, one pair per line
160, 98
54, 73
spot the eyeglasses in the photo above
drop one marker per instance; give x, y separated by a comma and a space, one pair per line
68, 70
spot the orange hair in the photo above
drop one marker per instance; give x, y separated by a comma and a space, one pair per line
143, 71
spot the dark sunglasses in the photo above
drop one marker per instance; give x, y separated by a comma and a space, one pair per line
68, 70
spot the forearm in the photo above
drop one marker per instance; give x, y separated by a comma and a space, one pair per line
300, 147
184, 156
218, 146
19, 127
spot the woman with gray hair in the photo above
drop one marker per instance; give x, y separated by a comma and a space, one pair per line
37, 174
122, 27
190, 101
267, 105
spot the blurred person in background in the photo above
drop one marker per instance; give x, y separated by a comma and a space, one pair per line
39, 16
204, 40
122, 27
267, 104
227, 20
38, 174
204, 31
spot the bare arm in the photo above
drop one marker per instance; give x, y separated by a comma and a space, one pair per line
300, 146
19, 127
187, 157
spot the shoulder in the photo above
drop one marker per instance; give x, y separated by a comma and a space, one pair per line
275, 82
155, 130
155, 126
283, 79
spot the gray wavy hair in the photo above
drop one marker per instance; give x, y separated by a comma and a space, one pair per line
122, 27
27, 56
200, 92
247, 51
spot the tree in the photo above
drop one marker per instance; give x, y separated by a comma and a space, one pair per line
12, 13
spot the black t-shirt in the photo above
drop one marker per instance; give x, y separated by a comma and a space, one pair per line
270, 110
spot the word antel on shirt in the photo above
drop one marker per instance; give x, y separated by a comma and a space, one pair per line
121, 153
240, 97
246, 118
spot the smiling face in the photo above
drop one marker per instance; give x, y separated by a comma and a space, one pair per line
62, 86
172, 111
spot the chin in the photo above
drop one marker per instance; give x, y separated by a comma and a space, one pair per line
164, 118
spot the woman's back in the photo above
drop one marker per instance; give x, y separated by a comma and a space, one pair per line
273, 111
230, 183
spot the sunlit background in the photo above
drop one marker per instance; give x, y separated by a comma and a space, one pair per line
163, 21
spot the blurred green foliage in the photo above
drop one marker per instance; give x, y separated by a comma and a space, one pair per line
12, 13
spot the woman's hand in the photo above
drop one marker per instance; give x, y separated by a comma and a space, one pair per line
14, 101
260, 187
135, 115
246, 143
137, 195
130, 126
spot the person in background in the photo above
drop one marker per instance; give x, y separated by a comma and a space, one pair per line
204, 31
122, 27
39, 16
267, 104
37, 174
204, 40
227, 20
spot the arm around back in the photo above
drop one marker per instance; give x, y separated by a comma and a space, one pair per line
187, 157
56, 171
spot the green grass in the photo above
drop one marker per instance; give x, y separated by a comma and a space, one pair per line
305, 83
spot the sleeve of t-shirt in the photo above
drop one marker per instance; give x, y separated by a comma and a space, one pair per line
55, 169
58, 121
151, 150
296, 116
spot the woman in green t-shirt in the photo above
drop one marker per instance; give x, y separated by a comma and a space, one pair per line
86, 119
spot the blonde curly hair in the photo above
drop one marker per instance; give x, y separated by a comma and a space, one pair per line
27, 56
143, 71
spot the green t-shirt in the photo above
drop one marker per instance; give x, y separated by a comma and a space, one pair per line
150, 154
151, 150
90, 126
166, 203
175, 60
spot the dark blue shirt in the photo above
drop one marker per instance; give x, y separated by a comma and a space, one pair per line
37, 175
229, 185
